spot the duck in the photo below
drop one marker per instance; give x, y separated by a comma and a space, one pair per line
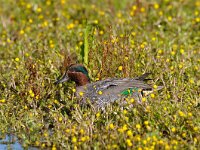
107, 91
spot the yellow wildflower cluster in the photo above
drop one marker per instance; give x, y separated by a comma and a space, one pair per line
2, 101
31, 93
123, 128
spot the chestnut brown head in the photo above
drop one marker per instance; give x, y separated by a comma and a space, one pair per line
77, 73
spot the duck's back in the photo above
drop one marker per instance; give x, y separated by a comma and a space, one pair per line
103, 92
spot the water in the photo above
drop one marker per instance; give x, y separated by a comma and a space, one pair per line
10, 142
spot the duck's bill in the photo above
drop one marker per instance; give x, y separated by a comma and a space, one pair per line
63, 79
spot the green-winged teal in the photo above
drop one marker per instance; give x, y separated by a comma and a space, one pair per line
105, 91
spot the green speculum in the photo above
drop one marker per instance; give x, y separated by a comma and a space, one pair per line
129, 91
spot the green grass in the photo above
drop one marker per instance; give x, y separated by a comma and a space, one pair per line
36, 40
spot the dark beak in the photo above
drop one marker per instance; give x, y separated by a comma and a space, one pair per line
63, 79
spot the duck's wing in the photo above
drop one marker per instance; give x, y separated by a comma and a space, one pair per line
126, 87
137, 82
109, 90
113, 82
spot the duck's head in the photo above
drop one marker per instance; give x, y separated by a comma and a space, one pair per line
77, 73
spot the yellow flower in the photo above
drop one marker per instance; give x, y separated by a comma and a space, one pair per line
124, 127
70, 26
39, 9
125, 112
81, 43
126, 118
45, 134
101, 32
31, 93
180, 66
28, 6
173, 129
134, 7
152, 95
132, 100
62, 1
81, 93
160, 13
142, 9
98, 115
111, 126
172, 53
129, 133
144, 99
169, 18
196, 13
25, 107
52, 45
114, 146
138, 126
181, 114
120, 68
53, 148
16, 59
67, 130
60, 119
144, 142
100, 92
119, 14
165, 108
191, 80
189, 114
155, 86
48, 2
45, 23
83, 139
138, 138
82, 131
184, 134
8, 40
174, 142
102, 13
21, 32
197, 19
126, 58
37, 143
161, 142
153, 38
2, 101
195, 140
156, 6
195, 129
167, 147
74, 139
56, 101
120, 130
133, 33
148, 139
129, 143
142, 46
146, 122
74, 90
182, 51
160, 51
